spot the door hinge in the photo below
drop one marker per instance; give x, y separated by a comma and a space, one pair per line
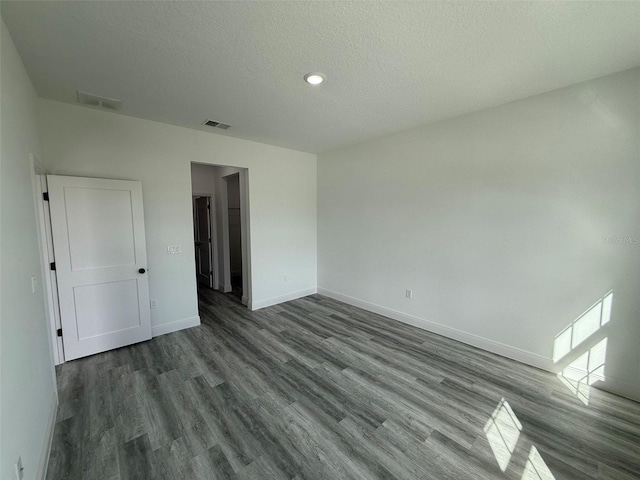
59, 332
52, 265
45, 196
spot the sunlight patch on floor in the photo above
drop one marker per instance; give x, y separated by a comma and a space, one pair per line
535, 468
503, 431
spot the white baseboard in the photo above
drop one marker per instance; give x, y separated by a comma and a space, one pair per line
48, 439
245, 300
256, 305
624, 389
469, 338
164, 328
605, 382
225, 288
539, 361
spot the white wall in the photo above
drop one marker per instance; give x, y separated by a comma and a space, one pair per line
27, 379
233, 208
87, 142
203, 179
496, 221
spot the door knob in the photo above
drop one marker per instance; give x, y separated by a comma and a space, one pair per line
141, 270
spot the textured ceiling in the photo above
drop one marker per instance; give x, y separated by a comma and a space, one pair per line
389, 65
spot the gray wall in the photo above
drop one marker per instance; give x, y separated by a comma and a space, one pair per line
500, 222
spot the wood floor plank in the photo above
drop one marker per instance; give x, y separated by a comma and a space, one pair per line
136, 459
213, 464
316, 389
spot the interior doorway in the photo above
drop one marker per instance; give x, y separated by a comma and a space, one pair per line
221, 229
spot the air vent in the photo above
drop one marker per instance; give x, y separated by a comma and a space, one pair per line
211, 123
92, 100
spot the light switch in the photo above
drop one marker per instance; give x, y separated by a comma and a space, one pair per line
34, 283
173, 249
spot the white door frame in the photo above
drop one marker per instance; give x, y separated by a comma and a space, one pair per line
214, 233
220, 227
50, 283
245, 210
45, 241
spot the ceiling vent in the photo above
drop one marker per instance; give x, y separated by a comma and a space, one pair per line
92, 100
211, 123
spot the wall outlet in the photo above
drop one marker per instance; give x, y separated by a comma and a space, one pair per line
34, 283
409, 293
153, 303
174, 250
19, 469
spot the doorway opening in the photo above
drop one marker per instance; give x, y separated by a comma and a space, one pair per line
221, 229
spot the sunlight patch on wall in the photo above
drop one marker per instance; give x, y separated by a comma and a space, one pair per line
583, 372
580, 353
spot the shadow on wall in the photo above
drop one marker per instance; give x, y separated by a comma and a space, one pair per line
579, 351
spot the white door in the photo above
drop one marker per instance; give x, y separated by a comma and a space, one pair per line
202, 219
100, 261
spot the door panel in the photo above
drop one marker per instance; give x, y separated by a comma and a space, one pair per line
106, 308
101, 234
99, 240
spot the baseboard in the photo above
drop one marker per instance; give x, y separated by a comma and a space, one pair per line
48, 439
245, 300
175, 326
624, 389
610, 384
281, 298
613, 385
225, 288
499, 348
469, 338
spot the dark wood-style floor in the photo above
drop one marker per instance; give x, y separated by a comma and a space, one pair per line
318, 389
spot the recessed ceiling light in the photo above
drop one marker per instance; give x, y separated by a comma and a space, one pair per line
314, 78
